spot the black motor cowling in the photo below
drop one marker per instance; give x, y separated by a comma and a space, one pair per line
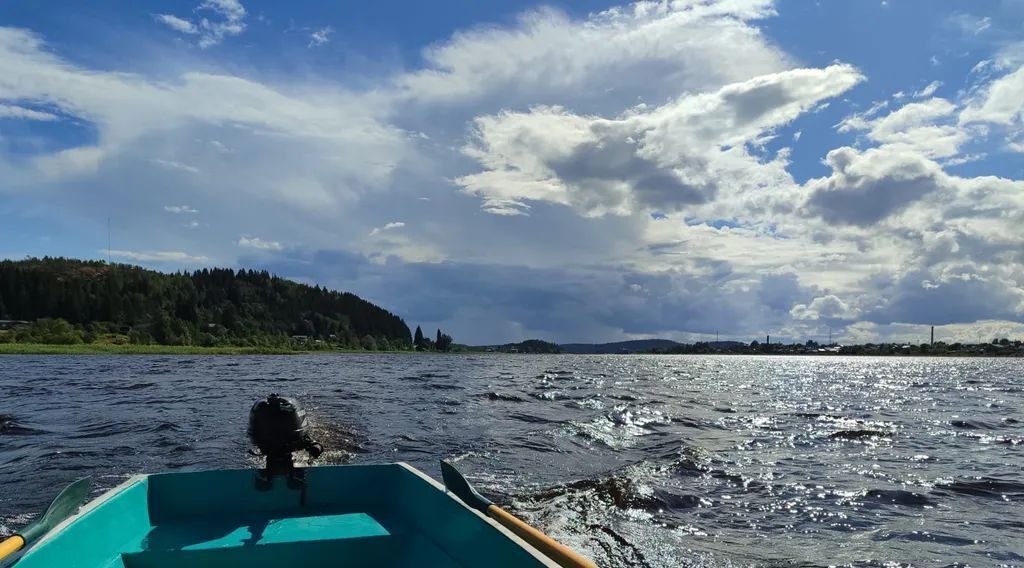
278, 427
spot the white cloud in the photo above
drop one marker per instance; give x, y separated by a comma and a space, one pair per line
868, 187
666, 158
387, 227
158, 256
226, 19
607, 55
970, 24
281, 146
68, 163
245, 241
928, 91
220, 147
962, 159
981, 331
180, 209
927, 127
230, 9
983, 24
1002, 102
1015, 143
171, 164
177, 24
824, 307
13, 111
320, 37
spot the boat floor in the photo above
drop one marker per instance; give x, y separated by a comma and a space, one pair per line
345, 539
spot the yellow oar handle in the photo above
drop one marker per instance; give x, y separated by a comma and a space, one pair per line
10, 546
561, 554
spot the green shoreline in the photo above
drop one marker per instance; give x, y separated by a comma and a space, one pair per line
131, 349
111, 349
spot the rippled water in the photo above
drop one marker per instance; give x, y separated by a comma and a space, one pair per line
636, 460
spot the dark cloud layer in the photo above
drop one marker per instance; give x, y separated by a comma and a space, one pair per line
562, 304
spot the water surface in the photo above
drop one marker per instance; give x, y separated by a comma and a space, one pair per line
635, 460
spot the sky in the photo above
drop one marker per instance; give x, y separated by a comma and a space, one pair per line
570, 171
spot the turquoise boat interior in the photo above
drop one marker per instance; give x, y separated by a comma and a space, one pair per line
356, 515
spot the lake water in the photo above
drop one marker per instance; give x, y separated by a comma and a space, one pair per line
634, 460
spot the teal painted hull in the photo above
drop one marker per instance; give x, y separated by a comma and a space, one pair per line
377, 515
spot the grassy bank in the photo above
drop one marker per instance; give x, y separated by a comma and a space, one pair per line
111, 349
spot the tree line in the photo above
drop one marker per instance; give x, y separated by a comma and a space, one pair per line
98, 301
442, 342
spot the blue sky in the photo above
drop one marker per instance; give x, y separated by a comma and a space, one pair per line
575, 171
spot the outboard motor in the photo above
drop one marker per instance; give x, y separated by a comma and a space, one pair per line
278, 427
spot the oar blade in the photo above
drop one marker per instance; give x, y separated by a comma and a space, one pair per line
66, 504
459, 485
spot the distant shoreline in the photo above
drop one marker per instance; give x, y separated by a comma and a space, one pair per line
129, 349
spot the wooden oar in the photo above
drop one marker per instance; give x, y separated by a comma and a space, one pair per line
561, 554
65, 505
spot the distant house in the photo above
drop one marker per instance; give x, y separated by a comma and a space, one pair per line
300, 337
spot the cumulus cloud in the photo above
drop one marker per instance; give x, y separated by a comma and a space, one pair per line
995, 100
246, 241
1001, 102
927, 127
823, 307
867, 187
663, 158
603, 58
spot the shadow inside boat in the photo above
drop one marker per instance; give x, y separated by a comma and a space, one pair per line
197, 536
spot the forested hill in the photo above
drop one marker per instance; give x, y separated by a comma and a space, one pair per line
218, 306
